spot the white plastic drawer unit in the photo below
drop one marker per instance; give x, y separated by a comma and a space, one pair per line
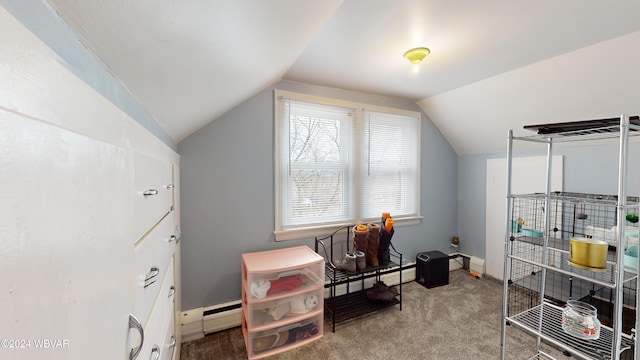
153, 181
153, 256
282, 299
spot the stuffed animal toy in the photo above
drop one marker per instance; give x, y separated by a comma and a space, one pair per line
293, 306
303, 304
278, 311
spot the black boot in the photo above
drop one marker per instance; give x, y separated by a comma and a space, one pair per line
384, 254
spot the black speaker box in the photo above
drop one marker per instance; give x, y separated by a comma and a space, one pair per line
432, 269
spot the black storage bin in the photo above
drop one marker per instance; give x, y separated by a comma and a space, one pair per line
432, 269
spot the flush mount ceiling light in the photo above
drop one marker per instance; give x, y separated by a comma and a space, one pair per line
415, 56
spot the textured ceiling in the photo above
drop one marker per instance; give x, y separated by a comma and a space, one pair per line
189, 62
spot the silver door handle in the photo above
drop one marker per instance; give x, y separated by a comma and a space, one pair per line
172, 291
149, 279
150, 192
134, 323
155, 353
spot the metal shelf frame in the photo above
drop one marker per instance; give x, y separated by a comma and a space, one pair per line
542, 319
551, 330
354, 304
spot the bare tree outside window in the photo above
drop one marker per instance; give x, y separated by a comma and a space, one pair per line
316, 166
339, 162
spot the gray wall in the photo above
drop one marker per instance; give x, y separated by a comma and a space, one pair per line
46, 25
587, 169
227, 193
227, 173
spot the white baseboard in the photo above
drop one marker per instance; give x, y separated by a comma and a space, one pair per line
195, 324
191, 323
476, 264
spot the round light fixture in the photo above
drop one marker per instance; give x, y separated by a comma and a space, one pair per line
415, 56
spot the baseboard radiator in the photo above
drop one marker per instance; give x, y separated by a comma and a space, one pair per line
196, 323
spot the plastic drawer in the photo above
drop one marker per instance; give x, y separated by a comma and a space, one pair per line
280, 339
273, 312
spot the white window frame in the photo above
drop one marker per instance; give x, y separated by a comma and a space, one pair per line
283, 233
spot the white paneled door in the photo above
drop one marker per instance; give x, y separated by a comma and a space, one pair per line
66, 256
528, 176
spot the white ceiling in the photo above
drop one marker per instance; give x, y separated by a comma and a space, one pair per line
188, 62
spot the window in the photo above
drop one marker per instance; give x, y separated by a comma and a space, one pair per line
340, 163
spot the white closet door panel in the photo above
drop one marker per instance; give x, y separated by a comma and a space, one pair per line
153, 337
153, 192
176, 259
165, 301
528, 176
66, 251
166, 306
156, 328
170, 341
153, 257
176, 198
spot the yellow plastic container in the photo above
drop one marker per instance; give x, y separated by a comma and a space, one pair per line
588, 253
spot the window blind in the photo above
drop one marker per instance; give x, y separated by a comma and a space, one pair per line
316, 179
390, 180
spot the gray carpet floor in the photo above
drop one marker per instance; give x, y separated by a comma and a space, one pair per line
458, 321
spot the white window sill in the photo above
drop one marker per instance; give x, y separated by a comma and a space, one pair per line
310, 232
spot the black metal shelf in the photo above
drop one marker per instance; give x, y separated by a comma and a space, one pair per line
584, 130
354, 304
339, 277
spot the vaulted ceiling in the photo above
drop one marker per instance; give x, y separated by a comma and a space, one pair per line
188, 62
